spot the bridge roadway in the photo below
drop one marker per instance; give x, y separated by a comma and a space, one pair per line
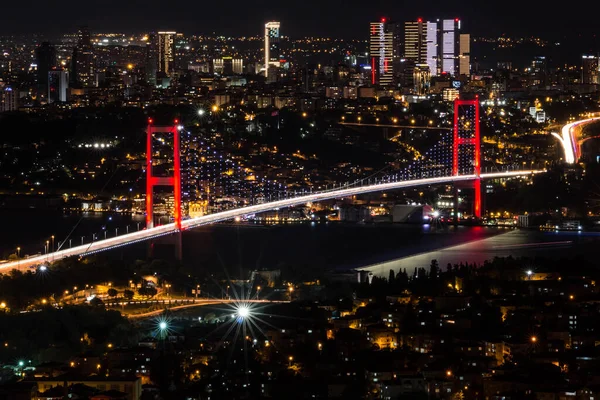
167, 229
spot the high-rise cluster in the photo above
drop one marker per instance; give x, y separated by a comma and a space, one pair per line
427, 49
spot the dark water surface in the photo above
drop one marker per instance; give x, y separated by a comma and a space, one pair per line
298, 246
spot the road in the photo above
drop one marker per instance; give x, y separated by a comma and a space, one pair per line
168, 229
570, 139
200, 303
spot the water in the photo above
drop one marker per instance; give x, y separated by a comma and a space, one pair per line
307, 247
30, 229
514, 243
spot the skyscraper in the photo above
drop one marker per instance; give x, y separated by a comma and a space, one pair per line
57, 86
464, 59
151, 58
83, 59
9, 99
438, 44
449, 38
166, 52
590, 68
272, 45
383, 51
414, 38
46, 60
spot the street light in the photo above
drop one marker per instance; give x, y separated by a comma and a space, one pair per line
201, 112
18, 252
257, 292
52, 243
46, 247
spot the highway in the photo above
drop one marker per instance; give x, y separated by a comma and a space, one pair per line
570, 141
200, 303
146, 234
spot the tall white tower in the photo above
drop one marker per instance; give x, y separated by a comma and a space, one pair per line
272, 45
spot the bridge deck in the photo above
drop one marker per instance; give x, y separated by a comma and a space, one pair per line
146, 234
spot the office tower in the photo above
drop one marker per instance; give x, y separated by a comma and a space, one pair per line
589, 70
151, 59
438, 44
413, 40
383, 52
538, 70
83, 60
46, 60
9, 99
57, 86
272, 46
464, 60
165, 52
421, 44
450, 37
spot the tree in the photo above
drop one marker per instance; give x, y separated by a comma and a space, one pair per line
128, 294
112, 292
392, 278
434, 269
147, 291
96, 302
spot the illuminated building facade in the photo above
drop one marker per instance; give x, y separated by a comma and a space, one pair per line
83, 60
422, 79
438, 44
464, 59
272, 46
421, 44
9, 99
165, 52
152, 59
57, 86
590, 68
449, 33
383, 52
228, 66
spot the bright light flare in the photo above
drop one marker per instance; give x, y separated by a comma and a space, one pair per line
162, 325
243, 311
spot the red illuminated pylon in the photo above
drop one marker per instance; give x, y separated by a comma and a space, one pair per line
472, 137
152, 181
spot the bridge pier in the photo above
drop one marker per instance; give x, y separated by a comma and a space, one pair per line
174, 240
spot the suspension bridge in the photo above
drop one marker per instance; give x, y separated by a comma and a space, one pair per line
455, 159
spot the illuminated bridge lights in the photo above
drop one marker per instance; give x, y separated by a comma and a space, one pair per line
168, 229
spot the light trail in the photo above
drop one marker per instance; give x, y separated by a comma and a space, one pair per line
201, 303
168, 229
569, 141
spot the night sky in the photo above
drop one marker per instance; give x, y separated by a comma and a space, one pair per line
340, 18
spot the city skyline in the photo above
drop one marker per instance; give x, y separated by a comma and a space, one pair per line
311, 17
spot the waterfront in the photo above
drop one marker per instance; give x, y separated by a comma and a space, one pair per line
307, 247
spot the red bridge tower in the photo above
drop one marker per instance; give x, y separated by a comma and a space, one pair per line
466, 157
